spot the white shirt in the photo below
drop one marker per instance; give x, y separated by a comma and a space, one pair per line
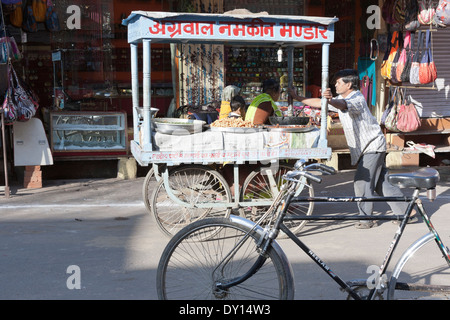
361, 129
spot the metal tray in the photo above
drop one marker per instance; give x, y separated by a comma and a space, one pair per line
178, 126
290, 128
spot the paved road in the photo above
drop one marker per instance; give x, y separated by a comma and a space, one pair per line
97, 234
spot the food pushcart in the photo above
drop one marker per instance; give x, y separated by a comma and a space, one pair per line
185, 163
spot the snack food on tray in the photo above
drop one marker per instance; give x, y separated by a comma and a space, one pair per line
232, 123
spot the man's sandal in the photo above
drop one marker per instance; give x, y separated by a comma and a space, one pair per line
366, 224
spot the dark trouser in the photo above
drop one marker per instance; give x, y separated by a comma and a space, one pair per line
370, 178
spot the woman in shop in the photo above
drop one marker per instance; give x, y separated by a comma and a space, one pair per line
264, 106
228, 93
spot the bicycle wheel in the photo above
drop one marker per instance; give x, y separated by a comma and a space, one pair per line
146, 191
257, 186
421, 276
191, 264
192, 184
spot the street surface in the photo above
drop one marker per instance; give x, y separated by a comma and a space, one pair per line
94, 239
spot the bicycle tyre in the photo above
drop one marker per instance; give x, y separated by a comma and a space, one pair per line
256, 186
186, 268
146, 191
420, 280
192, 184
146, 187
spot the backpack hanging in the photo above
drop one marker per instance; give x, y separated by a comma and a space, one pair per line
427, 67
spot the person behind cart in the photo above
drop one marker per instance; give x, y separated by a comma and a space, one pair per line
237, 105
366, 142
228, 93
264, 106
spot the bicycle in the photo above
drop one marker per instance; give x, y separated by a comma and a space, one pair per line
235, 258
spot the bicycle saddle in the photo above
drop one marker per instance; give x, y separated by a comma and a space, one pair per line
424, 178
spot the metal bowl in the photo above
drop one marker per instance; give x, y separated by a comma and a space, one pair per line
177, 126
289, 120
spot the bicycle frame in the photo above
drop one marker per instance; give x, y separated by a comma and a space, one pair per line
413, 201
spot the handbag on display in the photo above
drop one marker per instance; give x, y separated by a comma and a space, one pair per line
39, 9
389, 56
403, 57
51, 18
389, 105
409, 57
391, 118
9, 49
412, 10
442, 16
408, 119
394, 78
426, 12
8, 108
23, 99
427, 67
415, 64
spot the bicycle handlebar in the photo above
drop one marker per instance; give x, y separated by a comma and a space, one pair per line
314, 166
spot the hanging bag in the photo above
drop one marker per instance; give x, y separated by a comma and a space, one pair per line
402, 58
394, 78
391, 119
387, 11
16, 16
386, 66
8, 108
409, 57
442, 16
427, 67
426, 12
25, 101
51, 18
29, 23
39, 9
408, 119
392, 93
415, 65
412, 10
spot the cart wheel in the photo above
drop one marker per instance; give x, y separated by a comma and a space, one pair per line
192, 184
257, 187
147, 190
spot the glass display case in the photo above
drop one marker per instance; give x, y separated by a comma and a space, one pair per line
88, 132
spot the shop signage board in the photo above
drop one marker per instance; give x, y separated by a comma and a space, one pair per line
167, 27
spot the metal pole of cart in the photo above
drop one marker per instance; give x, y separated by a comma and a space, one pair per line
324, 107
135, 88
147, 137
